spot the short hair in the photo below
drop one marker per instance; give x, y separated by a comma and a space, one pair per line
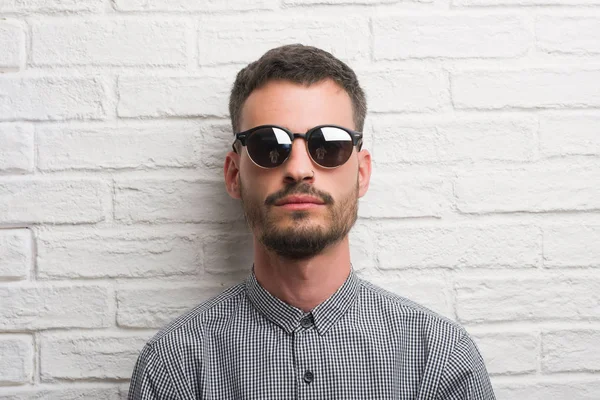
301, 64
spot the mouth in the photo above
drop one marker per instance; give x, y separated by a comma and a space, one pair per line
299, 202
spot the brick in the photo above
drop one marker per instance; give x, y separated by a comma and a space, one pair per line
44, 6
569, 135
570, 351
193, 5
12, 43
109, 42
587, 390
431, 293
508, 352
16, 360
117, 146
168, 200
453, 139
573, 245
531, 299
55, 201
15, 253
173, 97
111, 253
62, 392
526, 89
229, 252
403, 195
33, 307
89, 356
225, 40
540, 188
568, 34
153, 307
405, 91
16, 148
449, 36
51, 98
457, 247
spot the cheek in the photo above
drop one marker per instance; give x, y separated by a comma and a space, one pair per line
340, 184
256, 181
348, 173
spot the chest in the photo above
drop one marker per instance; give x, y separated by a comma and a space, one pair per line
349, 362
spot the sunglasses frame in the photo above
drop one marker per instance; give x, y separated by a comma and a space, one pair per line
357, 140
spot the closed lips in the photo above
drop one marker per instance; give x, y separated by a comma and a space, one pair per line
298, 200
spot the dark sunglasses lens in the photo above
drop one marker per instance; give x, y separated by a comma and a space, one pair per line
330, 146
269, 147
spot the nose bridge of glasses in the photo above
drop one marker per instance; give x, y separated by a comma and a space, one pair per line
299, 135
302, 147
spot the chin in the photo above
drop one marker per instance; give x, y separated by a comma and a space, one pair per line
303, 219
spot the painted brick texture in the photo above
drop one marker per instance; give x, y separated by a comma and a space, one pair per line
12, 43
484, 203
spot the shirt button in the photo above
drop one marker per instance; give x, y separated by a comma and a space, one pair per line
306, 322
308, 377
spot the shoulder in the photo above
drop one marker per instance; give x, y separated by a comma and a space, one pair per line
412, 315
192, 323
156, 374
453, 357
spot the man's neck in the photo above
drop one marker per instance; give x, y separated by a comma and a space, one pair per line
303, 284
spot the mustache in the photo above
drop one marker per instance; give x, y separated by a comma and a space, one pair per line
299, 188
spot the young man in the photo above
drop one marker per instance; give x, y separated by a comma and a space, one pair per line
303, 325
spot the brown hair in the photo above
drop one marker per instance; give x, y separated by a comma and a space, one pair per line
301, 64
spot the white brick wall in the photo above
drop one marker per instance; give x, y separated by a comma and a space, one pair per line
15, 253
484, 205
12, 38
173, 96
89, 356
16, 363
113, 41
449, 35
16, 148
50, 98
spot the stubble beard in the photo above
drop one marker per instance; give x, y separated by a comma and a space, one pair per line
304, 238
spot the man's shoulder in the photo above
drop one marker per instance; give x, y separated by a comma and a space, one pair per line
409, 311
191, 323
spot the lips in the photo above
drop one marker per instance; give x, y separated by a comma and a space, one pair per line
299, 199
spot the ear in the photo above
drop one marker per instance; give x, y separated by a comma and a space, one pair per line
364, 172
231, 170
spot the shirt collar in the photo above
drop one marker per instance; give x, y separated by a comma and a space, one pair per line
288, 317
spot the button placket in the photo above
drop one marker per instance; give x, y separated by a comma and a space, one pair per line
306, 358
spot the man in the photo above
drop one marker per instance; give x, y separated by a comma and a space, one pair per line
303, 325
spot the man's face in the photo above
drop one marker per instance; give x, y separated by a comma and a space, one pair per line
279, 203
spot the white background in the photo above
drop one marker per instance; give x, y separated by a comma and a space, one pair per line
483, 123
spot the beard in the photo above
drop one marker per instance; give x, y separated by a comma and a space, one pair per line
304, 237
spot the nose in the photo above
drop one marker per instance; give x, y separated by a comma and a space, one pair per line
299, 166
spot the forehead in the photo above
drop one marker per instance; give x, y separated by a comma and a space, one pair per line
296, 106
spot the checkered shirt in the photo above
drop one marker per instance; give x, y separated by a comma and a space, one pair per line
362, 343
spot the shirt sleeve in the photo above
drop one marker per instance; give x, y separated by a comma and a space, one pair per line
464, 376
150, 380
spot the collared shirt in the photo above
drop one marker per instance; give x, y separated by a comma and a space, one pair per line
361, 343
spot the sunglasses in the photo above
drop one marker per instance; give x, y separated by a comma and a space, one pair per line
270, 145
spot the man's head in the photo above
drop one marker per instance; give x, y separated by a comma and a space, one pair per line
298, 208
